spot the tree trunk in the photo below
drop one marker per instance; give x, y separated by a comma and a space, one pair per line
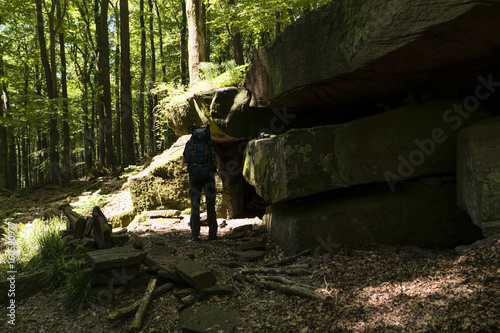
160, 33
196, 38
11, 171
183, 47
51, 83
235, 37
143, 79
126, 109
105, 113
152, 97
118, 127
66, 135
3, 140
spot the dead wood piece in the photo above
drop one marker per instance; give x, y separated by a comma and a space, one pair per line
268, 270
132, 308
296, 291
286, 281
141, 312
289, 259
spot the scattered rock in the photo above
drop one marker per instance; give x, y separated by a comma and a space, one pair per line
195, 274
206, 319
119, 240
116, 275
114, 257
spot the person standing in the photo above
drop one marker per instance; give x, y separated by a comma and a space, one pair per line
201, 157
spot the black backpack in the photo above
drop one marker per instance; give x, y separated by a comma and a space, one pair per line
201, 153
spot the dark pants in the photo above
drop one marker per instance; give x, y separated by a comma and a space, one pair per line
208, 186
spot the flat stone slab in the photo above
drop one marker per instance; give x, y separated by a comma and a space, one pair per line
393, 146
207, 319
114, 257
416, 215
195, 274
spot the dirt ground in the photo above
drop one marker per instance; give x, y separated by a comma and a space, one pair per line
373, 288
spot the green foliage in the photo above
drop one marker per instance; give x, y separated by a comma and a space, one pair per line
212, 76
76, 288
86, 202
56, 272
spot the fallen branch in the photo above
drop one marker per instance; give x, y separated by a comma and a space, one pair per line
296, 291
289, 259
287, 281
141, 312
267, 270
131, 309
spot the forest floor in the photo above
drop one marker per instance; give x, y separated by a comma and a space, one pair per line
373, 288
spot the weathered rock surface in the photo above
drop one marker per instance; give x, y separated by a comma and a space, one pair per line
116, 275
399, 144
362, 49
208, 318
164, 182
478, 174
415, 214
114, 257
227, 111
198, 276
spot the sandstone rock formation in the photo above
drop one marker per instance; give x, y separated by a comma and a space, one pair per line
364, 50
478, 174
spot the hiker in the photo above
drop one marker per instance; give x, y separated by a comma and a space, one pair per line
200, 156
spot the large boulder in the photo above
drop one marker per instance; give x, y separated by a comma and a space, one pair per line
226, 109
390, 147
478, 174
165, 182
415, 214
367, 49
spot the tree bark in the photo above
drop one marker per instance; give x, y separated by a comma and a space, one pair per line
126, 96
160, 34
235, 37
118, 127
183, 56
65, 110
152, 97
3, 141
106, 150
140, 113
196, 38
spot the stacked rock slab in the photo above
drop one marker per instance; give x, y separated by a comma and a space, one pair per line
478, 174
391, 147
415, 214
365, 49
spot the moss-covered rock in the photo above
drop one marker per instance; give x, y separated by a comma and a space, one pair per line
165, 182
122, 220
227, 111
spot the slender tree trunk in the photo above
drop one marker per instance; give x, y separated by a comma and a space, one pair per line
3, 142
143, 79
11, 171
65, 110
235, 37
196, 38
105, 113
183, 47
118, 127
51, 81
152, 97
126, 109
160, 33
